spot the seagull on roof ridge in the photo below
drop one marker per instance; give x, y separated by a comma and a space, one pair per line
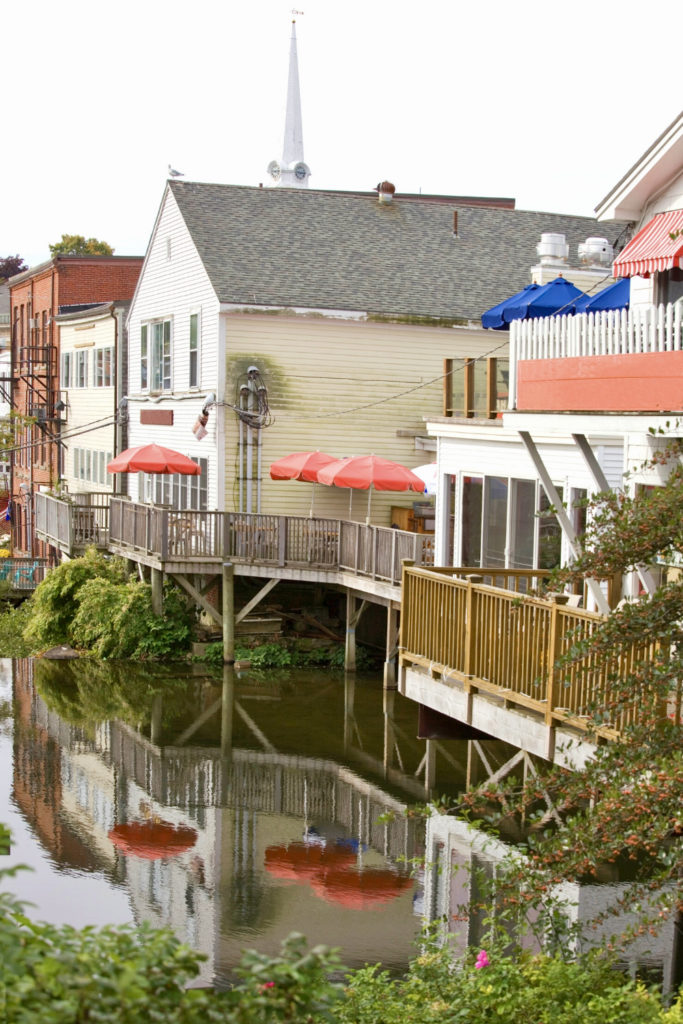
172, 173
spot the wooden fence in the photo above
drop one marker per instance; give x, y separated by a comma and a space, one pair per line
497, 641
191, 536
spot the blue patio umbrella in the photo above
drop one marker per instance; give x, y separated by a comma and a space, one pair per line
493, 318
557, 296
614, 296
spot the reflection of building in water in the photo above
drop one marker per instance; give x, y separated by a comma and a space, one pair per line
220, 895
458, 857
61, 784
233, 806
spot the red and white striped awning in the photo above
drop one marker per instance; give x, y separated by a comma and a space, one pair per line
653, 248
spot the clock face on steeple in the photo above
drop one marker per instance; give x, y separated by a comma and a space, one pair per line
274, 170
300, 171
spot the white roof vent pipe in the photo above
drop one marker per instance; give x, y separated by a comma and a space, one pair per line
552, 248
386, 191
596, 252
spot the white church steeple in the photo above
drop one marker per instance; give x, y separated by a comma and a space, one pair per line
291, 171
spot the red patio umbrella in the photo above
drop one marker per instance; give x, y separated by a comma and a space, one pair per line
360, 888
301, 862
368, 472
301, 466
152, 840
153, 458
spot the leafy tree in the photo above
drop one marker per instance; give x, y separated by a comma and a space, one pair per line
78, 245
624, 808
11, 265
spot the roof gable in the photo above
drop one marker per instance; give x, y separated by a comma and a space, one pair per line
331, 250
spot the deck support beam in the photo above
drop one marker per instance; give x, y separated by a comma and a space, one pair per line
228, 613
391, 647
353, 614
601, 602
198, 598
602, 484
157, 579
250, 605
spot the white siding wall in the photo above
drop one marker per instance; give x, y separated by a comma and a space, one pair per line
86, 406
344, 387
173, 285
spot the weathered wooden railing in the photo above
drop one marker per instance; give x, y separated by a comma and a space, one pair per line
497, 641
74, 521
22, 574
190, 536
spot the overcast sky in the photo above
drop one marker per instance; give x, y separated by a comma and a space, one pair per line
547, 102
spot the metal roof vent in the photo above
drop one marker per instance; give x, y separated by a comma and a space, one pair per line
552, 248
386, 191
596, 252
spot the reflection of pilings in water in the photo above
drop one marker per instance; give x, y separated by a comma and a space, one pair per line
263, 782
227, 709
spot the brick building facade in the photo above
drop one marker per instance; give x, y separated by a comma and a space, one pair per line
36, 296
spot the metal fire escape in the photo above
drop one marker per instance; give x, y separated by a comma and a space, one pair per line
36, 367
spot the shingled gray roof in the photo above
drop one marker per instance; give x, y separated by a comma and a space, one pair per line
331, 250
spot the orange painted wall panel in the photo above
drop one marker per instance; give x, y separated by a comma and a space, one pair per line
645, 382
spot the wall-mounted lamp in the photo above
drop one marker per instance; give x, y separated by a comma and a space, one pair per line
60, 406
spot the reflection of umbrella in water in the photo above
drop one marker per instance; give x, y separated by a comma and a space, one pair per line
360, 888
370, 472
301, 466
301, 862
153, 458
152, 840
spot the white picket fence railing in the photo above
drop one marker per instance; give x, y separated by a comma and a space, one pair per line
613, 332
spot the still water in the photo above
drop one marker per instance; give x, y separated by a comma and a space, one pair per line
233, 808
236, 808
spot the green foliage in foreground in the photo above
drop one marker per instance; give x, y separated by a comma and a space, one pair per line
92, 604
62, 975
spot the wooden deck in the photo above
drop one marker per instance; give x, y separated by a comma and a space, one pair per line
486, 639
74, 522
180, 541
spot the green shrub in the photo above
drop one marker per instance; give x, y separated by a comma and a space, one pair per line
117, 621
13, 622
54, 603
510, 989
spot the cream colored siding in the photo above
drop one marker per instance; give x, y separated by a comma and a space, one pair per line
173, 289
86, 407
344, 387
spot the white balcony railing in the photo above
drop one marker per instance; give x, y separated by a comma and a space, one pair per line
614, 332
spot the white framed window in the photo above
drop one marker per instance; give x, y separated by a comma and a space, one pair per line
195, 326
178, 490
144, 359
104, 358
160, 356
80, 370
67, 369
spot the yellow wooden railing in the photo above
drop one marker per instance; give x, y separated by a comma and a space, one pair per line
503, 642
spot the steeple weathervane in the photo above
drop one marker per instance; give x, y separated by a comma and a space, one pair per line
292, 172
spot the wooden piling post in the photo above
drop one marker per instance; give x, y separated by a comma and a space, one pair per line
157, 580
228, 613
